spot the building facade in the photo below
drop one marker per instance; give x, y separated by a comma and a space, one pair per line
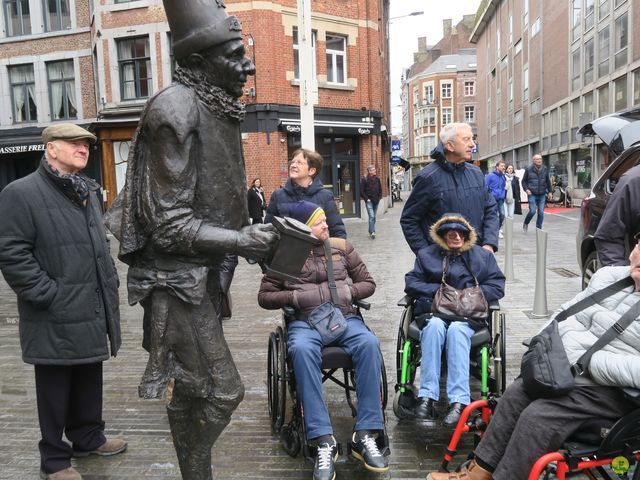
120, 55
546, 68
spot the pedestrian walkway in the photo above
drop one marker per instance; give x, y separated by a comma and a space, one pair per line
247, 449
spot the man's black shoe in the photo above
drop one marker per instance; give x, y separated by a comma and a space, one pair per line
324, 467
450, 420
425, 410
365, 449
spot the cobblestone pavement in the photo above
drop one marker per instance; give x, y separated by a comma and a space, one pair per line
247, 448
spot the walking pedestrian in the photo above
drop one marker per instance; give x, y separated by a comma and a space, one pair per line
256, 201
512, 199
497, 185
450, 184
54, 254
537, 184
371, 192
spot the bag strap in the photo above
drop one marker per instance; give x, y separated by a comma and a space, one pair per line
616, 329
445, 269
595, 298
332, 281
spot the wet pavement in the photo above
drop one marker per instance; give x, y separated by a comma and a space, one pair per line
247, 449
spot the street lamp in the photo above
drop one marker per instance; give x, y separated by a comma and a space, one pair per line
412, 14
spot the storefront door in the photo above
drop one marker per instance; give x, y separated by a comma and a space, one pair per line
347, 187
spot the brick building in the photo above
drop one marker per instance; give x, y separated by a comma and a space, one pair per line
439, 88
546, 68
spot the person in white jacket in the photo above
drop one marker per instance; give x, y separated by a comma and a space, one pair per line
522, 429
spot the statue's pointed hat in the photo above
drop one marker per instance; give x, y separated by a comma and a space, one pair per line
199, 24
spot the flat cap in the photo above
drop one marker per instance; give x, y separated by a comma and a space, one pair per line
66, 131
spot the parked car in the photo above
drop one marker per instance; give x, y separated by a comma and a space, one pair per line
621, 133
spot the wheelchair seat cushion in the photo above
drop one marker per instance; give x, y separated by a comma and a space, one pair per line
591, 432
480, 337
335, 357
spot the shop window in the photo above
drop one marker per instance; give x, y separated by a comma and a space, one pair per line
57, 15
134, 63
17, 18
336, 59
23, 93
62, 90
296, 54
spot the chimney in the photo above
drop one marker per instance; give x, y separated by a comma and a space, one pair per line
422, 44
446, 27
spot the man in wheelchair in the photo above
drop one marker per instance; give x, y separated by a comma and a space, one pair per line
454, 258
304, 343
523, 429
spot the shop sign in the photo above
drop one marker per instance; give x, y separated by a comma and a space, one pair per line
39, 147
364, 131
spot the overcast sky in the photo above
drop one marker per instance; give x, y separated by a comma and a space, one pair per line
404, 33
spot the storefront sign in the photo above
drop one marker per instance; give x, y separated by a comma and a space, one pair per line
21, 149
293, 128
364, 131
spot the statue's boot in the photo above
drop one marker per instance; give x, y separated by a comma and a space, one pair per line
193, 439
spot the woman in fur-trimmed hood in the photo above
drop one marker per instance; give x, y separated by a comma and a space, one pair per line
455, 238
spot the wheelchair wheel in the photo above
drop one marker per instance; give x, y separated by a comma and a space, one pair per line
281, 381
383, 383
503, 351
272, 367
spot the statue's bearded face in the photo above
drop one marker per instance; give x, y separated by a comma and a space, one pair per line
226, 66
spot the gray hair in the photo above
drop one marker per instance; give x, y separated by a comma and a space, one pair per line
370, 167
450, 131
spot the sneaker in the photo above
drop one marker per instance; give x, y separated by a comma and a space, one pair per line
525, 227
69, 473
324, 467
450, 420
425, 411
108, 448
373, 235
365, 448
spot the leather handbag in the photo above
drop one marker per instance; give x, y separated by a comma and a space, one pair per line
327, 319
451, 303
545, 369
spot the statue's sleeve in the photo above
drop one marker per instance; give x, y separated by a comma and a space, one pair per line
169, 183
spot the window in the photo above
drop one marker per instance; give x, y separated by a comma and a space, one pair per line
447, 115
469, 88
517, 117
336, 59
517, 48
621, 40
636, 87
575, 112
498, 43
510, 29
603, 9
416, 96
603, 52
525, 12
603, 100
135, 68
56, 15
589, 14
445, 89
62, 90
525, 83
575, 20
172, 59
428, 144
588, 103
430, 117
469, 113
17, 18
535, 28
575, 69
620, 94
296, 54
510, 93
23, 93
589, 61
429, 97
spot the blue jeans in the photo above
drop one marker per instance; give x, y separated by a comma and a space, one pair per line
304, 348
371, 211
457, 336
500, 204
536, 202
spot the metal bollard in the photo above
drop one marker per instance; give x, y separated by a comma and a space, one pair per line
508, 249
540, 295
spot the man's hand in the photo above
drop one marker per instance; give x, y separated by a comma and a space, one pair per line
549, 196
256, 241
528, 191
488, 247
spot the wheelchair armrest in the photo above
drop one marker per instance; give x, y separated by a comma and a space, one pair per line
289, 313
494, 306
405, 301
526, 342
362, 304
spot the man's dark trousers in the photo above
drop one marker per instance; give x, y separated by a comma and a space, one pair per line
69, 401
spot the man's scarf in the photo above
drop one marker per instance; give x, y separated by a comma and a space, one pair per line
80, 187
219, 102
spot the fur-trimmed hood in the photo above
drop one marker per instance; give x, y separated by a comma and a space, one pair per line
470, 238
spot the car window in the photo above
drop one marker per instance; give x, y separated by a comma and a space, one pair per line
631, 161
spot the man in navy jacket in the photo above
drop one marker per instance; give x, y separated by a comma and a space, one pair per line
537, 184
450, 184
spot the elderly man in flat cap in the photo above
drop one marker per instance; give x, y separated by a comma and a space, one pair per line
182, 211
54, 254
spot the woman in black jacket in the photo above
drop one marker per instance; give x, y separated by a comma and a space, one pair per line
256, 201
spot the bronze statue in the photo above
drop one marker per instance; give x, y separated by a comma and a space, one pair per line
183, 208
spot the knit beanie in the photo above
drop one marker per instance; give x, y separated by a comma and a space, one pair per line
306, 212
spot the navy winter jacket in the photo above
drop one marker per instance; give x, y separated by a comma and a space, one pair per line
443, 187
536, 180
283, 198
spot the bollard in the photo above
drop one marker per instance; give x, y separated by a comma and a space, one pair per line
508, 249
540, 295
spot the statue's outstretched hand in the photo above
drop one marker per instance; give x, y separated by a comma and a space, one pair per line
256, 241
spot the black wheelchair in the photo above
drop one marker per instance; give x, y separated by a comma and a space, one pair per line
336, 367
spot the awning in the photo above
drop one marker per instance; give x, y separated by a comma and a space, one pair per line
292, 125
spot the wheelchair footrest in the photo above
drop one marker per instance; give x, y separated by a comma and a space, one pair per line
579, 450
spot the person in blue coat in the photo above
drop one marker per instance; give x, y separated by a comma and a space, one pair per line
450, 184
454, 239
497, 185
304, 184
